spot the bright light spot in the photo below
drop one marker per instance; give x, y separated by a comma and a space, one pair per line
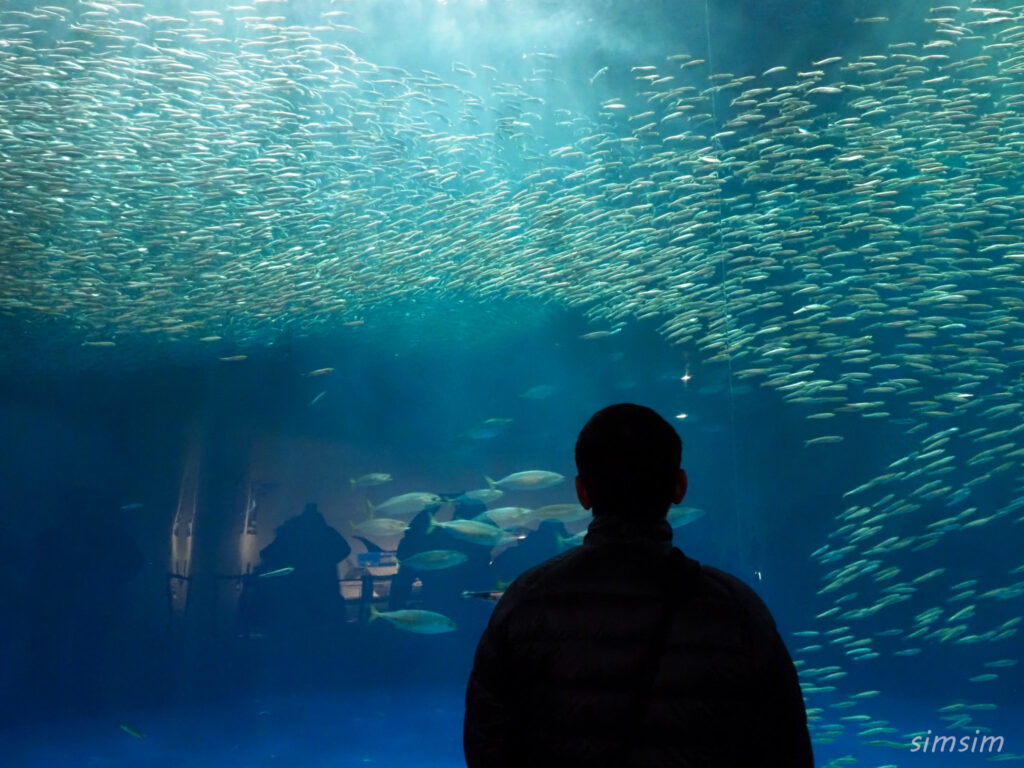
680, 416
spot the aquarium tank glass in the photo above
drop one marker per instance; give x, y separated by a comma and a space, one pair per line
303, 304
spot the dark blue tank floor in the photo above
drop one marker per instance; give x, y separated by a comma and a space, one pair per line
391, 728
380, 729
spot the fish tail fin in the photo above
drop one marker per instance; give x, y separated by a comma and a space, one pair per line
502, 584
490, 483
369, 506
374, 613
352, 480
431, 523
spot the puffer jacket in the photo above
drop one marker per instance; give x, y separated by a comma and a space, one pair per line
559, 673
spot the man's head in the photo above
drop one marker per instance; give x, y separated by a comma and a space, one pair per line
311, 513
628, 460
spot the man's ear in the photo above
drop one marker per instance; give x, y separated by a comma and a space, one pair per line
582, 494
682, 483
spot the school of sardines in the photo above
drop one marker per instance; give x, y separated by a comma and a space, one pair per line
846, 235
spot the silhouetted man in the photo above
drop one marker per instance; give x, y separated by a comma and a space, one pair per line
415, 539
305, 553
625, 652
537, 547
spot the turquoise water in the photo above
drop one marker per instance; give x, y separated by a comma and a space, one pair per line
259, 256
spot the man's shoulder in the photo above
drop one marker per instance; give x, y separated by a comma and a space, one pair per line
725, 581
567, 571
546, 572
540, 579
559, 569
727, 587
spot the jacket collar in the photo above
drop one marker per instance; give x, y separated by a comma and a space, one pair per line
615, 530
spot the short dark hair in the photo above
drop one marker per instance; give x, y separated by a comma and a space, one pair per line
628, 458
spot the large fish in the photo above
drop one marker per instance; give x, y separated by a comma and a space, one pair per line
474, 531
434, 560
507, 517
530, 480
680, 516
418, 621
406, 504
488, 429
374, 478
483, 495
380, 526
566, 513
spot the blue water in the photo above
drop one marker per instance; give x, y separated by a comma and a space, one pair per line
387, 727
201, 694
